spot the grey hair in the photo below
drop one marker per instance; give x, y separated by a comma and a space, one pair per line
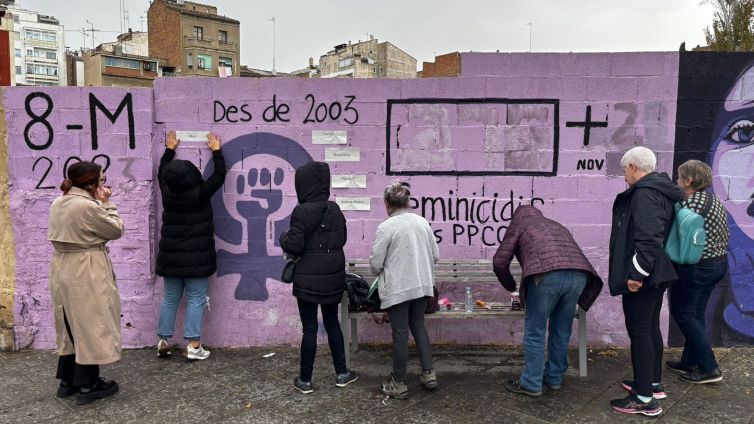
643, 158
397, 195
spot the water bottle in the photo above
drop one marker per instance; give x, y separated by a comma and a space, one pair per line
469, 300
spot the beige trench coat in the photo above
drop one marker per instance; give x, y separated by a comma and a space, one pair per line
82, 282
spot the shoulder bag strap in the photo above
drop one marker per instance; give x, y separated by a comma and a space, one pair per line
320, 228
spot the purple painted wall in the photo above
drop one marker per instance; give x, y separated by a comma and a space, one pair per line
510, 131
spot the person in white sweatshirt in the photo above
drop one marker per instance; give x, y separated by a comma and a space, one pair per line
404, 252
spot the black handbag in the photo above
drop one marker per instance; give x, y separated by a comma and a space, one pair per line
289, 269
358, 294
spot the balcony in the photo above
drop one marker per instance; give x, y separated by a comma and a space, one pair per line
210, 43
36, 59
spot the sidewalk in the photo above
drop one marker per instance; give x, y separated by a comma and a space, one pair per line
241, 386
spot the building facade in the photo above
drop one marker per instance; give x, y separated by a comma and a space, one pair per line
75, 68
193, 39
7, 68
118, 69
446, 65
38, 48
132, 43
367, 59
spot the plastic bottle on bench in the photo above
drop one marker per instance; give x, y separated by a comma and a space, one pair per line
469, 300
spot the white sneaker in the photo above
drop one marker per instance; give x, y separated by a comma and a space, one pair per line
164, 350
198, 353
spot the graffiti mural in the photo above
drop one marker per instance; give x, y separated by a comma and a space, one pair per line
515, 129
254, 210
720, 131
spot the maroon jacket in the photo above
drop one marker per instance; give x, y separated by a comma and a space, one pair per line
542, 245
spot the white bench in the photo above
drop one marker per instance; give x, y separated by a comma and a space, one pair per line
452, 271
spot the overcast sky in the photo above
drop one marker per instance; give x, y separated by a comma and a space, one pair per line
422, 28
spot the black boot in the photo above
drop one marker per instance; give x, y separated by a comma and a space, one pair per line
66, 389
99, 390
698, 377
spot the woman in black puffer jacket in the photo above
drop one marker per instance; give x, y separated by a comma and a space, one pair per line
317, 235
187, 243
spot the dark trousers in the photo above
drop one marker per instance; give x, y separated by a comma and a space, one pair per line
308, 313
642, 314
688, 303
407, 316
72, 373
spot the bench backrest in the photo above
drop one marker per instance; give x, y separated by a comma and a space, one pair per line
447, 270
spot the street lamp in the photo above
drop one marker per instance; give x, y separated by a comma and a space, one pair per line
273, 44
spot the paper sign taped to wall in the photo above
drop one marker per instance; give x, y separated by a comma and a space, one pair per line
349, 181
192, 135
329, 137
342, 155
353, 203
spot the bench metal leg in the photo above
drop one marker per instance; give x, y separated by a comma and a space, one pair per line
354, 335
582, 342
345, 324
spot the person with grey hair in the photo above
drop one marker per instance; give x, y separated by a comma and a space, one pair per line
404, 252
689, 295
640, 272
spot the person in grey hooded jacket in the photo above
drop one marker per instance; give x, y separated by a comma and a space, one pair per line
404, 252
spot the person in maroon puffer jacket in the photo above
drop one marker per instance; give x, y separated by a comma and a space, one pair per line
555, 276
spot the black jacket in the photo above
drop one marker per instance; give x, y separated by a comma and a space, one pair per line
320, 275
642, 216
187, 242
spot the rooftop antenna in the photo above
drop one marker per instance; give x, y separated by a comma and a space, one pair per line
273, 44
126, 21
530, 25
142, 19
92, 30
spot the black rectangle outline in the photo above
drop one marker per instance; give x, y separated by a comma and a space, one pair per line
556, 135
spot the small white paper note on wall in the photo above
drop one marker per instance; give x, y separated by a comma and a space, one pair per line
353, 203
329, 137
342, 155
349, 181
192, 135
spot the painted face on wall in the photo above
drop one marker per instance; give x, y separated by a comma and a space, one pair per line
733, 154
732, 163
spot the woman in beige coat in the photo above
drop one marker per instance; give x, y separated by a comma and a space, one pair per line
82, 283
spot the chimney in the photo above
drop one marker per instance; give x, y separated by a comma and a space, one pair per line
311, 62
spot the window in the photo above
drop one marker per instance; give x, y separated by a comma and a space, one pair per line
345, 62
18, 70
121, 63
35, 69
190, 61
225, 61
150, 66
18, 52
16, 18
198, 33
51, 55
223, 37
38, 34
203, 62
29, 52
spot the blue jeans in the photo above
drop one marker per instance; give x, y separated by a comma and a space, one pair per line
553, 299
196, 298
688, 301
